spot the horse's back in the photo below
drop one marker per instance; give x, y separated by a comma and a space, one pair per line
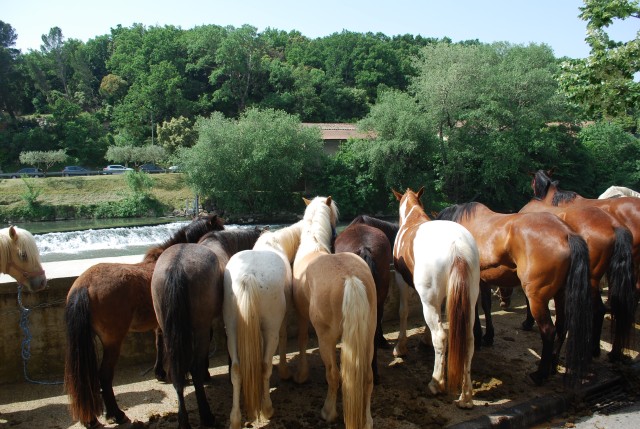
434, 240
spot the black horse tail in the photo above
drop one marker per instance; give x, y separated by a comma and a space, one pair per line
176, 323
81, 380
365, 253
578, 311
621, 278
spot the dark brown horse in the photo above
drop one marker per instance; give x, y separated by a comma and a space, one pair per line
610, 254
372, 245
544, 255
108, 300
187, 289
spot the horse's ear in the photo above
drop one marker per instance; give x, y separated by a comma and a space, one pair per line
306, 201
397, 194
13, 233
328, 201
551, 171
531, 173
420, 192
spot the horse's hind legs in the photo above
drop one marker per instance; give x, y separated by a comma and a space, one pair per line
158, 368
109, 359
328, 354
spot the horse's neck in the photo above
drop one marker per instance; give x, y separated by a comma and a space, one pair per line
4, 255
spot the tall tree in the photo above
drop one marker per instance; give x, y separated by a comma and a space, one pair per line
9, 74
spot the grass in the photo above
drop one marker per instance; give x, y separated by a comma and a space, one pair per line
78, 191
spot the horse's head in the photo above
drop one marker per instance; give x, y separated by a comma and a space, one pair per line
541, 182
408, 201
20, 258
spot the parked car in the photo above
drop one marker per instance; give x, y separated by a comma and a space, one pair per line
175, 169
115, 169
74, 170
29, 172
151, 168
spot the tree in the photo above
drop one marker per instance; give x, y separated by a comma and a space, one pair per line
135, 155
604, 83
176, 133
9, 74
44, 158
252, 164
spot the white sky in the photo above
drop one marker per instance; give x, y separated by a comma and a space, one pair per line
554, 22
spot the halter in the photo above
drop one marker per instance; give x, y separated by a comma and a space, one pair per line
28, 275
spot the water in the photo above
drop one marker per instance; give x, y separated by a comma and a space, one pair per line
106, 242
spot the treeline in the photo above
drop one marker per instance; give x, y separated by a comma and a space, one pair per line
466, 120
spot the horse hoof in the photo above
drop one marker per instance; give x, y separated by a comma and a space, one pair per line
465, 405
93, 424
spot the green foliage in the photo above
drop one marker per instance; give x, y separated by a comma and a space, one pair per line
176, 133
138, 182
43, 158
135, 154
31, 194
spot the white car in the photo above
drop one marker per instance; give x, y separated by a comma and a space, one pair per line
115, 169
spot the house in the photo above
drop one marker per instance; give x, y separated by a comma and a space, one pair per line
333, 134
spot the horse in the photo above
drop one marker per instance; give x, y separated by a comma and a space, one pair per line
372, 245
187, 291
610, 254
440, 260
257, 293
543, 254
108, 300
336, 292
20, 259
617, 192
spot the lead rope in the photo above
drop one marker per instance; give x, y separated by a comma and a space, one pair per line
26, 341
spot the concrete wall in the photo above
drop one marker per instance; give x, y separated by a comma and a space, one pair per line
45, 322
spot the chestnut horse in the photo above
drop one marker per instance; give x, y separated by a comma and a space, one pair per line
257, 292
610, 254
544, 255
372, 245
440, 260
337, 293
108, 300
20, 258
187, 287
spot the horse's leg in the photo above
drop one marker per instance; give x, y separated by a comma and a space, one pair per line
283, 368
198, 369
271, 338
111, 353
328, 354
183, 417
466, 390
431, 310
504, 294
527, 324
561, 330
485, 300
403, 313
158, 368
303, 339
542, 316
477, 330
598, 319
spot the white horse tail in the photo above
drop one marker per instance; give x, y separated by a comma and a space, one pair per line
250, 344
459, 314
355, 361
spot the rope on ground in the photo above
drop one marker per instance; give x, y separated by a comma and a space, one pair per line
26, 341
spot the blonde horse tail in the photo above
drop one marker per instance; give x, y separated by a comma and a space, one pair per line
354, 357
458, 317
249, 339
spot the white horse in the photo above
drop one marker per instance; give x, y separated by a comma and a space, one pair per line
20, 258
257, 293
441, 260
618, 191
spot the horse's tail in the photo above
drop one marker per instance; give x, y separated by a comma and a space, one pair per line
459, 317
176, 323
365, 253
578, 310
621, 278
355, 356
81, 364
250, 346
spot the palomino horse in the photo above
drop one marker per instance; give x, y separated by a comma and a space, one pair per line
187, 287
440, 260
544, 255
109, 300
372, 245
257, 292
337, 293
617, 192
625, 209
610, 253
20, 258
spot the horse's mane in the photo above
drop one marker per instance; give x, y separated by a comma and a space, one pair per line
318, 226
389, 228
287, 240
457, 212
189, 233
232, 240
24, 243
541, 185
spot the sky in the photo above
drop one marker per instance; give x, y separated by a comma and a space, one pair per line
553, 22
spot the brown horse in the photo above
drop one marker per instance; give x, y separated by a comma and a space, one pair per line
440, 260
187, 289
610, 254
336, 292
108, 300
544, 255
372, 245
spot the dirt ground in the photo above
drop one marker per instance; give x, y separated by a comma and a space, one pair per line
400, 401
